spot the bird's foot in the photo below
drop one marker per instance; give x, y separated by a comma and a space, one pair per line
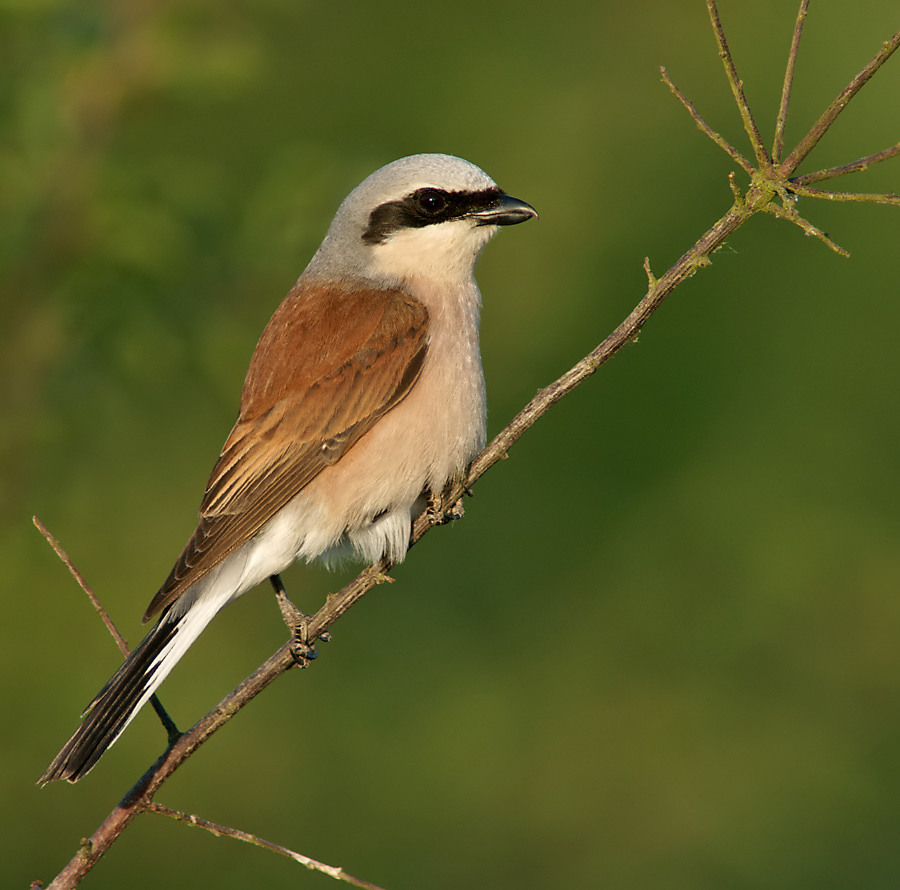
443, 516
297, 622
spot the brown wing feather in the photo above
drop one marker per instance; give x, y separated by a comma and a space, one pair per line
329, 364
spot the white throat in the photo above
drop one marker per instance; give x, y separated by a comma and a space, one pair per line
446, 252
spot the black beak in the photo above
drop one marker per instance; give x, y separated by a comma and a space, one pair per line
505, 211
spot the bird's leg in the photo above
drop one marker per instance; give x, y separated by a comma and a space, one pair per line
172, 730
297, 623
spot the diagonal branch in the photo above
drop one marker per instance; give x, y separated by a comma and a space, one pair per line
140, 797
788, 211
82, 583
332, 871
704, 127
168, 723
843, 169
781, 120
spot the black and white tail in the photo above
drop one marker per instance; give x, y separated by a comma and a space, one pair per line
127, 691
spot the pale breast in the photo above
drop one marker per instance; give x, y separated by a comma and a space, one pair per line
368, 498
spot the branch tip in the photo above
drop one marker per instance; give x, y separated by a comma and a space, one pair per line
737, 87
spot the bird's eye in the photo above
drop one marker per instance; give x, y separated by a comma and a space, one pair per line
431, 202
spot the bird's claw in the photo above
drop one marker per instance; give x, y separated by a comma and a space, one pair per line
441, 516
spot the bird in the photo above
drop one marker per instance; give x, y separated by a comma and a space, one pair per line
364, 397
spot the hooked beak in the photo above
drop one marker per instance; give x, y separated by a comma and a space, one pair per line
505, 211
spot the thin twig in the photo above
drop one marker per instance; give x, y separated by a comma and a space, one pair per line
844, 169
863, 197
809, 141
737, 87
781, 120
787, 212
172, 731
332, 871
704, 127
95, 602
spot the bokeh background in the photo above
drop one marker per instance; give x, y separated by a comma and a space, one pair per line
661, 650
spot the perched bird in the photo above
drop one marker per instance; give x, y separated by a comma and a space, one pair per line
364, 394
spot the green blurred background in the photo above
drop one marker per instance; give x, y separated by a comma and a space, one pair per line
661, 651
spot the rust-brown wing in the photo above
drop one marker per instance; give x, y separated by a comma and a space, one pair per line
329, 364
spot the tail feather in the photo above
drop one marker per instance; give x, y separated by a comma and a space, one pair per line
129, 688
106, 717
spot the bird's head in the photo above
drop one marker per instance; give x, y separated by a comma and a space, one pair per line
423, 216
